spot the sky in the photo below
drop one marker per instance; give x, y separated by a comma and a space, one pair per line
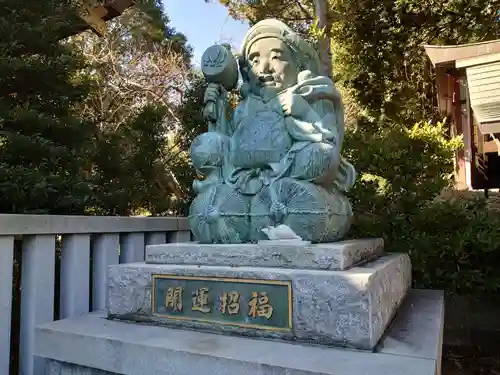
204, 24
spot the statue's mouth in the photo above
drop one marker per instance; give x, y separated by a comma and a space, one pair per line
267, 80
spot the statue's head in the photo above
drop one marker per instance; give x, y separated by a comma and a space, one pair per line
273, 55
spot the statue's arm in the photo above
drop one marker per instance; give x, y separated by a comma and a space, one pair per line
313, 126
236, 116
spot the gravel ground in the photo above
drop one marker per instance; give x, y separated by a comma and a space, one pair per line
455, 363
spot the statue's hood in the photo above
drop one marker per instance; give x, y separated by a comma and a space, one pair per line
273, 28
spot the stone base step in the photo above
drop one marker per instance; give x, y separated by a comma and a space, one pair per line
94, 345
287, 254
350, 308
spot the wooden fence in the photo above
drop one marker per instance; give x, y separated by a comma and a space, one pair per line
54, 267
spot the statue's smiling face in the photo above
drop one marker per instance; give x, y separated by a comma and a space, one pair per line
271, 65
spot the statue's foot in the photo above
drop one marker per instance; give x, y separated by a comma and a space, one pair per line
313, 213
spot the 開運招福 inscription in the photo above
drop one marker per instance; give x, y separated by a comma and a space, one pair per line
260, 304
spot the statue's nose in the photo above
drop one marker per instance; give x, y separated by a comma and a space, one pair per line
265, 67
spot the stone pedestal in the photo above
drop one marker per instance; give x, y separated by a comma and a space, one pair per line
94, 345
342, 294
271, 308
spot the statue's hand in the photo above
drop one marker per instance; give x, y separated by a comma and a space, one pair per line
293, 105
212, 93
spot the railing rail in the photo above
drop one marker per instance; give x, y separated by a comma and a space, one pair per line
54, 267
62, 224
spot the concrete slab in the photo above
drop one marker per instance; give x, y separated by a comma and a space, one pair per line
82, 344
286, 254
62, 368
420, 333
350, 308
417, 324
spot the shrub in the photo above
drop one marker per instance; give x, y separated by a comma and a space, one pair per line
453, 244
400, 168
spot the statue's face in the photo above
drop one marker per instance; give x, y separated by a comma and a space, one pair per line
271, 66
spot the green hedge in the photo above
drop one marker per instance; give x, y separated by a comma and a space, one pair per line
454, 244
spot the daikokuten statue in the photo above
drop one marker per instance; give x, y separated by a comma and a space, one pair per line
277, 158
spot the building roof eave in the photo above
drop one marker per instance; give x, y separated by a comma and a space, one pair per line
447, 55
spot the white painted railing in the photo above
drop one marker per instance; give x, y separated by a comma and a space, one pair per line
65, 258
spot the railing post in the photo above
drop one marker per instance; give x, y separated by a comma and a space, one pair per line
132, 248
156, 238
37, 297
75, 275
6, 267
105, 253
180, 236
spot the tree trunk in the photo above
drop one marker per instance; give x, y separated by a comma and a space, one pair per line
324, 42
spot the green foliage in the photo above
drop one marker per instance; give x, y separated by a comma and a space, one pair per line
190, 113
379, 55
44, 146
126, 170
254, 11
378, 45
89, 125
139, 68
453, 244
379, 60
400, 168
